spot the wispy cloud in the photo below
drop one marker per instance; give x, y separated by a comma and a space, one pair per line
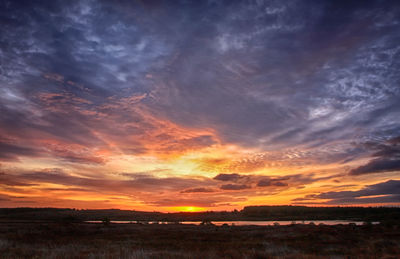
208, 98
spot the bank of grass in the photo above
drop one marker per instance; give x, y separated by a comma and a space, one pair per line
83, 240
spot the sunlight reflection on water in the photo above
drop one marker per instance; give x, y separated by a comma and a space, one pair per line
244, 223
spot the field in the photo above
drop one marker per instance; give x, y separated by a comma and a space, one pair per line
85, 240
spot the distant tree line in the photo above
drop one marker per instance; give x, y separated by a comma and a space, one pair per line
248, 213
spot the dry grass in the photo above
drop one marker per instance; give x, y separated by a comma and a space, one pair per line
51, 240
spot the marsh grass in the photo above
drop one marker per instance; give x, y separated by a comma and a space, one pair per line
82, 240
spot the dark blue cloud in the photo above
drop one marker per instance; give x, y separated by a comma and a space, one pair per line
377, 166
384, 192
266, 74
287, 73
386, 158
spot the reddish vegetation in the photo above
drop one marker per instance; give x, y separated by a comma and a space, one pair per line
83, 240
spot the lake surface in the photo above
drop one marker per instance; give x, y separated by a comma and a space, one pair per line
246, 223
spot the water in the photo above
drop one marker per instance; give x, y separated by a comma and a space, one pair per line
247, 223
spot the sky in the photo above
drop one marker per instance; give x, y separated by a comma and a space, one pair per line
199, 105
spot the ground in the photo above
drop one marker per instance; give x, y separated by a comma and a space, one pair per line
84, 240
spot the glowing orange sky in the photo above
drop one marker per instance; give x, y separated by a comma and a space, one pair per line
178, 169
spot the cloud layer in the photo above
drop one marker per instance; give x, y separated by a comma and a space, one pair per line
223, 103
385, 192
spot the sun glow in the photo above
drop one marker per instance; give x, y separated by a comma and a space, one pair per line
188, 209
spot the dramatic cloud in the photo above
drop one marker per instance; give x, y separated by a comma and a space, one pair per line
387, 192
233, 102
9, 151
388, 158
228, 177
195, 190
377, 166
8, 180
145, 183
269, 182
234, 186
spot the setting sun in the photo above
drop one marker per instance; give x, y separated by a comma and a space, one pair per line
188, 209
